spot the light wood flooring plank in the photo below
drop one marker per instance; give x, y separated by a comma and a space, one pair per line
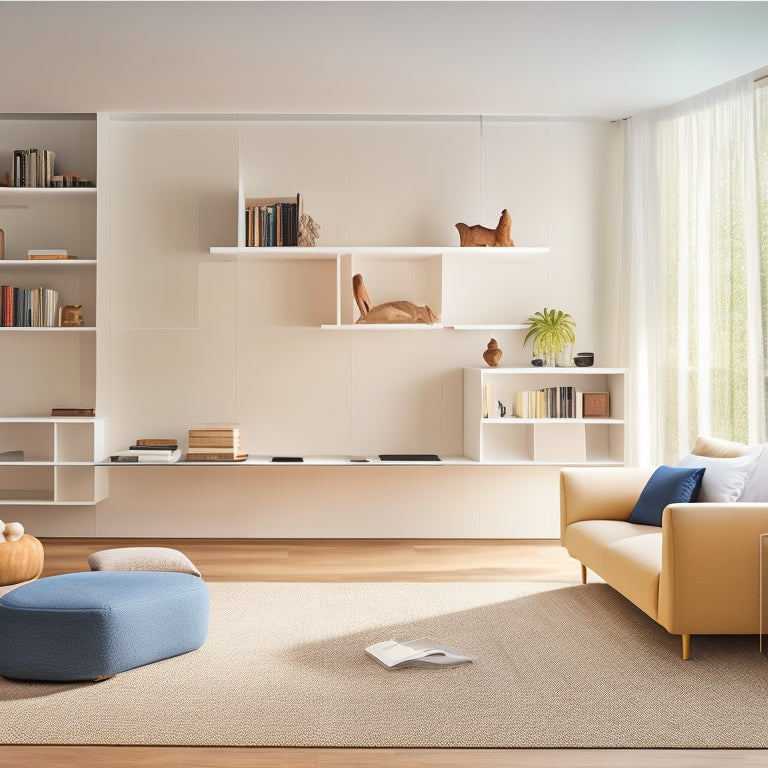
343, 559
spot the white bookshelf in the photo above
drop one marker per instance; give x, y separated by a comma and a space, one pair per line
58, 460
554, 441
54, 367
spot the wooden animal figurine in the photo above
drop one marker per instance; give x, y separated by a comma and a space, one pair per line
392, 311
492, 354
480, 235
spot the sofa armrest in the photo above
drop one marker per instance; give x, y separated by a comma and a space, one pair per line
710, 570
599, 493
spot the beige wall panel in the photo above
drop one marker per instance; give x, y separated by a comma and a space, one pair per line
296, 501
66, 383
397, 391
166, 380
411, 181
174, 195
169, 502
61, 521
519, 502
428, 502
517, 159
280, 158
364, 501
582, 173
294, 391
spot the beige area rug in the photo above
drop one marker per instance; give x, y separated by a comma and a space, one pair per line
557, 666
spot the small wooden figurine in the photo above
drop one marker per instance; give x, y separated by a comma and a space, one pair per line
480, 235
308, 231
71, 316
492, 354
392, 311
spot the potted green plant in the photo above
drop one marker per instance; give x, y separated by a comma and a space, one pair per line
551, 330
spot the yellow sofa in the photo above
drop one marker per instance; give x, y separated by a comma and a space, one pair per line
698, 574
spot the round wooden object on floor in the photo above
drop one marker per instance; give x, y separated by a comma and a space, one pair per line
20, 560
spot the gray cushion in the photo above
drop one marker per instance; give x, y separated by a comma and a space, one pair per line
142, 559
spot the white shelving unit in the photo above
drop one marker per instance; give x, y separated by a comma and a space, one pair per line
559, 441
53, 367
437, 276
58, 460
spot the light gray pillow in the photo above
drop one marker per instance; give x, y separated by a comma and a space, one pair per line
142, 559
725, 479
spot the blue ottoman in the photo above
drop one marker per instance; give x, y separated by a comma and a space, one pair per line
87, 626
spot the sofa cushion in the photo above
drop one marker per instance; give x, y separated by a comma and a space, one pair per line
632, 566
667, 485
725, 479
716, 448
589, 540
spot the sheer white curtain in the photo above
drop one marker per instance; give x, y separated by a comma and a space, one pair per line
691, 274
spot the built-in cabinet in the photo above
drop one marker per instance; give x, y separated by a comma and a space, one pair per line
42, 459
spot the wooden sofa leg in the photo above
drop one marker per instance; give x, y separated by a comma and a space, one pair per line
583, 574
686, 646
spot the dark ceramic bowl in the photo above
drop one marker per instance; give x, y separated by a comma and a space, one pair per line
584, 359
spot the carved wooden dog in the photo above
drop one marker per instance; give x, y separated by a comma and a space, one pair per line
392, 311
480, 235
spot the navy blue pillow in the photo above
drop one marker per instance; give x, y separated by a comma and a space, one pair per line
667, 485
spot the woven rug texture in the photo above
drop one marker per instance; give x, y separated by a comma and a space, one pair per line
568, 666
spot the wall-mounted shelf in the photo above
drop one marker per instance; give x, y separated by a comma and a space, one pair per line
544, 440
433, 275
59, 458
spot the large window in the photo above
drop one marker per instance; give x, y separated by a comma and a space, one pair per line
696, 270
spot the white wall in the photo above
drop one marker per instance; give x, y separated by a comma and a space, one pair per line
194, 341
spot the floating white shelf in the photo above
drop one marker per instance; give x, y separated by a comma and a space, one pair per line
441, 276
233, 253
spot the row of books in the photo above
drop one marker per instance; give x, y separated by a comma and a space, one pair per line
272, 222
33, 167
28, 307
549, 403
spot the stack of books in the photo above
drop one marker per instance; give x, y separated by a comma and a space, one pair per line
150, 450
215, 442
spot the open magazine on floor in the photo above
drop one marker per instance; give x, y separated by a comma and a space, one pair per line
422, 652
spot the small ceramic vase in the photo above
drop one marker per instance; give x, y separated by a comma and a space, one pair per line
492, 354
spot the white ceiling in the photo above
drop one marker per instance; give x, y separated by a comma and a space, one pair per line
595, 59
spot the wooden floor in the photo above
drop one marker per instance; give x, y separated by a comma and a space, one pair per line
355, 560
